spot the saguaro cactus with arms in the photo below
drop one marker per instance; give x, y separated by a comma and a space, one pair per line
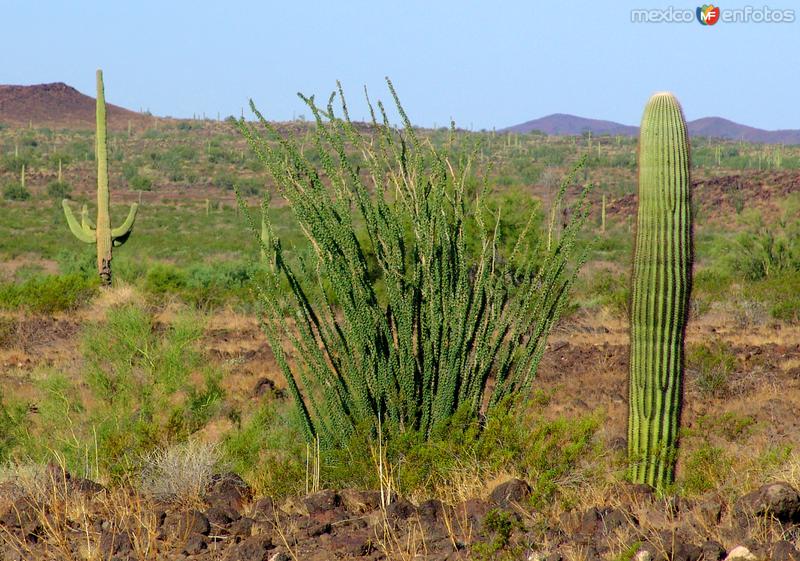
101, 233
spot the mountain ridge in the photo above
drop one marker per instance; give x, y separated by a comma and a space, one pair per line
560, 124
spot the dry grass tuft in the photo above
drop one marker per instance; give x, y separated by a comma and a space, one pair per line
180, 473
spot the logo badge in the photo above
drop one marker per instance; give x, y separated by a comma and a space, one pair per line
708, 14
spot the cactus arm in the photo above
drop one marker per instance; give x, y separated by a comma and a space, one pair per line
120, 234
86, 222
86, 236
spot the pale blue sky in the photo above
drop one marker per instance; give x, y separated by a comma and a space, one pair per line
484, 63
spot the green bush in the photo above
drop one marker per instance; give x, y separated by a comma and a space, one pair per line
140, 183
706, 469
410, 343
269, 451
202, 285
712, 364
58, 190
48, 294
16, 192
142, 396
163, 279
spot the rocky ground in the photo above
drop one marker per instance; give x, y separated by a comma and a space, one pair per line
72, 518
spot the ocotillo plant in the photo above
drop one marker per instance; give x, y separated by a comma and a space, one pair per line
397, 322
101, 234
661, 286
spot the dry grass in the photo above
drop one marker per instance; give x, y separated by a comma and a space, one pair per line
180, 473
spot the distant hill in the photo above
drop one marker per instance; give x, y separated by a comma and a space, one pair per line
59, 106
717, 127
561, 124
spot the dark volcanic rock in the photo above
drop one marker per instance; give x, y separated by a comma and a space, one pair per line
513, 491
712, 551
321, 501
779, 500
400, 509
182, 524
256, 548
195, 544
359, 502
784, 551
115, 543
228, 490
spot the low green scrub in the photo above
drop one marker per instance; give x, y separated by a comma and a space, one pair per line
609, 290
58, 190
706, 468
711, 364
143, 386
48, 294
16, 192
269, 451
203, 286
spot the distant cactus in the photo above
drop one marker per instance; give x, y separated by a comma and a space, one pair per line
661, 286
603, 215
101, 234
22, 177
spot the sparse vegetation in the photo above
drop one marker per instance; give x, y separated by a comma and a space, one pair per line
169, 365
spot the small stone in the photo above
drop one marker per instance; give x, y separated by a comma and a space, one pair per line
182, 524
643, 555
740, 553
712, 551
400, 509
513, 491
321, 501
195, 544
360, 502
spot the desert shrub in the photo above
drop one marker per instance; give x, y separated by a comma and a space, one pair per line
138, 378
498, 526
163, 279
414, 351
180, 472
10, 426
268, 450
611, 290
59, 190
766, 250
705, 469
48, 294
711, 364
14, 163
140, 183
202, 285
16, 192
781, 295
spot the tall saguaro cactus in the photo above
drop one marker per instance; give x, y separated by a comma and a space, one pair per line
101, 234
661, 285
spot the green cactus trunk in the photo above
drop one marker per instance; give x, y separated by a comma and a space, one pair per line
103, 229
101, 233
661, 287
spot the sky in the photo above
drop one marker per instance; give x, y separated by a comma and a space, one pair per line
483, 63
